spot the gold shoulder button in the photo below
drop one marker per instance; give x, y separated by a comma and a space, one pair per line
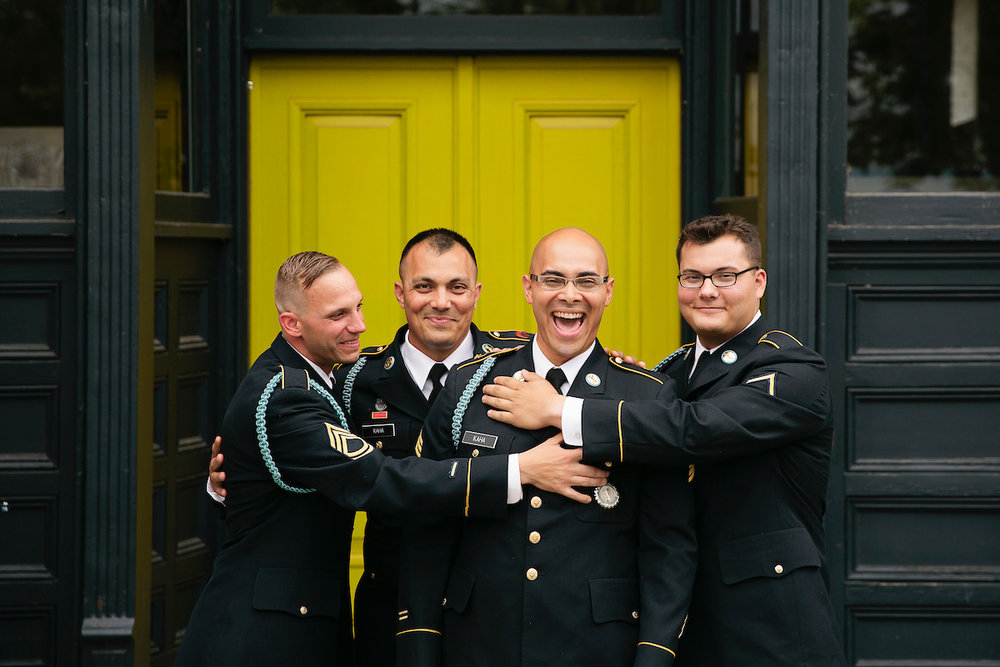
510, 334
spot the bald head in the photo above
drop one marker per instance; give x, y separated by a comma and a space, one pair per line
570, 236
566, 316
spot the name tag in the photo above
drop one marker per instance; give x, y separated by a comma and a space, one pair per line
479, 439
378, 430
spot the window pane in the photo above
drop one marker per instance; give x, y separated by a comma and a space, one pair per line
922, 95
172, 97
537, 7
31, 81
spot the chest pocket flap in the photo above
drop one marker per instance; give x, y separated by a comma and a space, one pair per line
297, 592
774, 555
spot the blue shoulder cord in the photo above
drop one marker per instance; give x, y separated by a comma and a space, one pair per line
669, 357
265, 448
349, 381
463, 401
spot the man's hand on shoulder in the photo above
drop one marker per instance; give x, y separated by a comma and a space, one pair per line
627, 358
526, 401
216, 475
553, 468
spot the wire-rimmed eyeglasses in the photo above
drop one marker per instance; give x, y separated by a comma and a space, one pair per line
719, 278
553, 282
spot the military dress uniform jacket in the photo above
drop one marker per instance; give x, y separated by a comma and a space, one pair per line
756, 420
388, 409
278, 594
556, 582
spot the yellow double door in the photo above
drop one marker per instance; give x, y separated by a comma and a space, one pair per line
354, 155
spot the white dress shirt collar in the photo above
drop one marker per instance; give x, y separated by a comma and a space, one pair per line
419, 365
323, 375
699, 348
571, 368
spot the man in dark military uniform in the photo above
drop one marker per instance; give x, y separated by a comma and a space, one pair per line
388, 392
754, 414
554, 583
278, 593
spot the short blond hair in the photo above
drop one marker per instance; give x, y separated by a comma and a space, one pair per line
297, 274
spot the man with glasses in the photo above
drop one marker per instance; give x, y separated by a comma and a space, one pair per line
754, 415
607, 583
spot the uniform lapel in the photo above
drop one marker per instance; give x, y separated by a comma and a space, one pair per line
395, 386
596, 369
724, 359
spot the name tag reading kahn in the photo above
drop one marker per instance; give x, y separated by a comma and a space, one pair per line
479, 439
378, 430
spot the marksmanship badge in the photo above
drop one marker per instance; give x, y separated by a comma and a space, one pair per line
607, 496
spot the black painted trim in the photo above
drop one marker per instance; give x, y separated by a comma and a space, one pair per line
789, 146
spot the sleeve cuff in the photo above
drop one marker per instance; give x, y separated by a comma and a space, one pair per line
215, 496
514, 490
572, 421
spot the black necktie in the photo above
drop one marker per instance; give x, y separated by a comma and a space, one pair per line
556, 378
437, 371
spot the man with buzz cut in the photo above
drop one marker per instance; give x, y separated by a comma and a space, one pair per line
278, 594
752, 411
554, 582
388, 392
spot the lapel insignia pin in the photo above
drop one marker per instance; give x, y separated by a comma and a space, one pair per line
607, 496
729, 357
389, 362
487, 347
380, 404
593, 379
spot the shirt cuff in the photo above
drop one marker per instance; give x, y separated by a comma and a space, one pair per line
572, 421
514, 491
215, 496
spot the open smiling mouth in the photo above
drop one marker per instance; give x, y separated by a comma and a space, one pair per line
568, 323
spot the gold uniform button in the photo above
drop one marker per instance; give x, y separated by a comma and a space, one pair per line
635, 614
532, 574
371, 575
618, 360
778, 569
535, 537
379, 444
303, 610
608, 464
475, 453
536, 502
444, 601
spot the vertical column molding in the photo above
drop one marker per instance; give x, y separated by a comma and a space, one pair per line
116, 220
789, 177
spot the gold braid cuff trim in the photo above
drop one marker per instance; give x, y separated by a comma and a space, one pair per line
662, 648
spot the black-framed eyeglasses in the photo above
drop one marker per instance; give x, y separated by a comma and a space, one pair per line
549, 281
719, 278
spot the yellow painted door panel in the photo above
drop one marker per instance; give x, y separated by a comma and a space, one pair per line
353, 155
593, 143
